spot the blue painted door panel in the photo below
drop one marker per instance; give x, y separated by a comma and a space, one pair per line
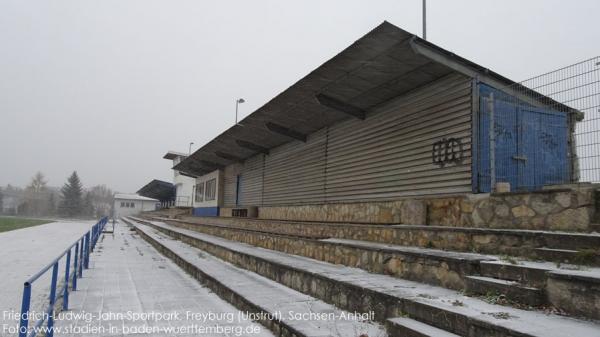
531, 144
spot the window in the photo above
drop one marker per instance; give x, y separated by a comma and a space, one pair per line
131, 204
199, 197
211, 189
122, 204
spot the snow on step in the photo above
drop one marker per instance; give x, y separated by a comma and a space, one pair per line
506, 283
128, 275
410, 328
272, 296
436, 253
531, 322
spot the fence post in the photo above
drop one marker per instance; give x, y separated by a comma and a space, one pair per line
93, 238
80, 267
87, 250
95, 235
66, 291
75, 269
24, 317
492, 134
52, 300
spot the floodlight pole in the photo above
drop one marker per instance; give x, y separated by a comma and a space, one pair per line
424, 19
237, 103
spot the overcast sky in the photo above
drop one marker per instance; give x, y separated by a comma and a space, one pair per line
107, 87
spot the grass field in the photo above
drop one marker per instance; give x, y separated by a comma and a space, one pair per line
12, 223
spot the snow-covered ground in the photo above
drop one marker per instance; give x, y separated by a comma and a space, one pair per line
24, 252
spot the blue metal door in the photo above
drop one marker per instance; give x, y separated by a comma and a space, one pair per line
528, 147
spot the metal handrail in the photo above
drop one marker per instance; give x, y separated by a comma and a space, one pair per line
83, 246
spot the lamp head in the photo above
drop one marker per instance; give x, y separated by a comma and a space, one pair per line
241, 100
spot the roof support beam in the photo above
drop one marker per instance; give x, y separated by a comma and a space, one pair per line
252, 146
478, 72
211, 164
282, 130
187, 174
228, 156
336, 104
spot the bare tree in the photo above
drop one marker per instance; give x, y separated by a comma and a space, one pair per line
38, 183
101, 199
36, 196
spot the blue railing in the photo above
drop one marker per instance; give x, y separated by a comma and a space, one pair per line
82, 248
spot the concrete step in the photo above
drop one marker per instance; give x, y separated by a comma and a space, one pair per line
481, 240
573, 256
556, 255
357, 290
406, 327
513, 291
529, 275
283, 310
432, 266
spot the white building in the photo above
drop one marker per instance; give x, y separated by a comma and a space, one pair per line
132, 204
208, 194
184, 185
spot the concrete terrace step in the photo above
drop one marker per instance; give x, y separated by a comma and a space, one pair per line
512, 242
406, 327
411, 250
513, 291
568, 255
432, 266
355, 289
533, 275
257, 294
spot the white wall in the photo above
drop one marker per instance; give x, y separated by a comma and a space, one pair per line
218, 201
184, 186
138, 206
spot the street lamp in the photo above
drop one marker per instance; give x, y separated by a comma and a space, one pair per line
237, 102
424, 19
190, 150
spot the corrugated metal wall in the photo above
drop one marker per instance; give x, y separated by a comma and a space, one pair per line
230, 184
386, 156
295, 172
389, 155
251, 186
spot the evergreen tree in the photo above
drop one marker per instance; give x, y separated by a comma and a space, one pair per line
72, 192
1, 203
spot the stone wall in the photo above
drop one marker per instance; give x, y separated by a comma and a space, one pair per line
447, 270
564, 209
406, 211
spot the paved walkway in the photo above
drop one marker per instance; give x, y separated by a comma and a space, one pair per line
131, 289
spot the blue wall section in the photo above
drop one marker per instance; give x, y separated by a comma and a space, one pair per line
531, 144
205, 211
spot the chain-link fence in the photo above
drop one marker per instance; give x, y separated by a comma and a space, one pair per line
544, 130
